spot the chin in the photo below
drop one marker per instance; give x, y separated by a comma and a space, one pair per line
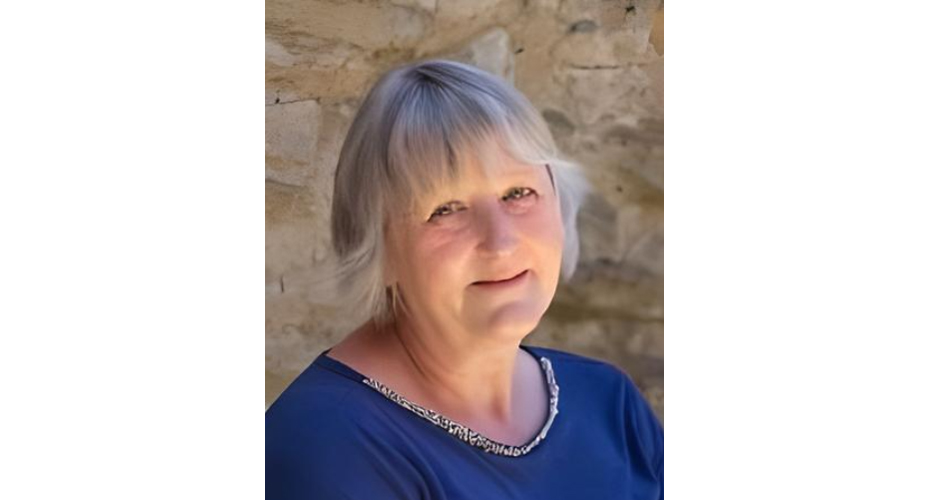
513, 321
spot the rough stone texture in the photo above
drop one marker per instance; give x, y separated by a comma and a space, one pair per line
593, 68
491, 52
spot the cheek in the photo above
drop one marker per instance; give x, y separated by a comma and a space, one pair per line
547, 240
545, 229
439, 257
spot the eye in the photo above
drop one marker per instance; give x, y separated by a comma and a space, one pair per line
518, 193
445, 209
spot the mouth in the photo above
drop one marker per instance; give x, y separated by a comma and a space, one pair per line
514, 279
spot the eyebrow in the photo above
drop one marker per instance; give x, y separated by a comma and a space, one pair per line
446, 197
446, 193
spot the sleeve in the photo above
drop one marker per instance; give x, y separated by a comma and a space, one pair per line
644, 433
333, 459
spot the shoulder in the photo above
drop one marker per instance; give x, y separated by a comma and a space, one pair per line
590, 367
322, 442
596, 373
306, 419
565, 356
629, 411
597, 378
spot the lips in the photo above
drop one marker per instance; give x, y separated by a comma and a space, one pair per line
503, 281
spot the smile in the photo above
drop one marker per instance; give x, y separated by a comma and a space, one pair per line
510, 281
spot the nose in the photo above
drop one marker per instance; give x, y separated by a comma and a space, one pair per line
497, 234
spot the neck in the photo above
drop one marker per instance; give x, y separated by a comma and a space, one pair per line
463, 378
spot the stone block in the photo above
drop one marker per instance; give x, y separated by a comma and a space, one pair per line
462, 12
291, 134
490, 51
368, 25
425, 5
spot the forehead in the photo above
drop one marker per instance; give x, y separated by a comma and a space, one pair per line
488, 160
500, 168
475, 175
483, 162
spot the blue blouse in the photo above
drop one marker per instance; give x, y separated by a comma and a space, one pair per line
335, 434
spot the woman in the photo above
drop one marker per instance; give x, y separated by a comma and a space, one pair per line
452, 219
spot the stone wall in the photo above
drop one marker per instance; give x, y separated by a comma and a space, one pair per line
595, 71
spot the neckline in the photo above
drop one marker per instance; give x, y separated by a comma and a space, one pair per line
454, 428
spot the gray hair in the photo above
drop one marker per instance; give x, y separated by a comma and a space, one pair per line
413, 131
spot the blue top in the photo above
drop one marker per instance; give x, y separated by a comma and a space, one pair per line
334, 434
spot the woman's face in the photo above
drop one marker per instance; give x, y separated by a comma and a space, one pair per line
483, 254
